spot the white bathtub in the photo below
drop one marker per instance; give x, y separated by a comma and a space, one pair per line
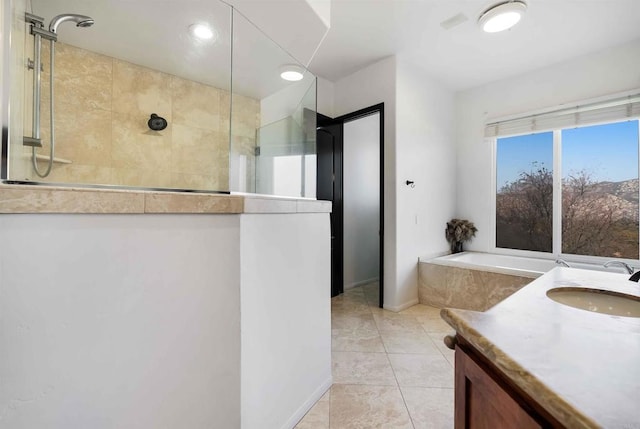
510, 265
478, 281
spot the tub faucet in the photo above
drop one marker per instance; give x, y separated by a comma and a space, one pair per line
562, 263
635, 277
620, 264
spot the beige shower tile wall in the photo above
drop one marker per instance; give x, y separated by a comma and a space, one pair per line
102, 108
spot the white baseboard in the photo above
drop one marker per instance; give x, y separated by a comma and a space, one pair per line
309, 403
360, 283
404, 306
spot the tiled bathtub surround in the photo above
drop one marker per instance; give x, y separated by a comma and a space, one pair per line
102, 108
447, 286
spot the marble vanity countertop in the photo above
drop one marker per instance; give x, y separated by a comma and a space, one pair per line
582, 367
49, 199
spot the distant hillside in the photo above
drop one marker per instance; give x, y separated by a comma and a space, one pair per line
627, 190
619, 197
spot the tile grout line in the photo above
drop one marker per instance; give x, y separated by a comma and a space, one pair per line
329, 399
406, 407
355, 298
377, 325
436, 346
404, 401
333, 384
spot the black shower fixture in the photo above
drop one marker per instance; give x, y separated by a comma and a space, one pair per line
157, 123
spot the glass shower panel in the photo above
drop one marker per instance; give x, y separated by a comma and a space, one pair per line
15, 49
139, 59
306, 114
286, 164
273, 121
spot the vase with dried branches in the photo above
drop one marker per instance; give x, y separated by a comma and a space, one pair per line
458, 231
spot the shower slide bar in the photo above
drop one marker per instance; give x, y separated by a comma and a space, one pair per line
37, 24
39, 32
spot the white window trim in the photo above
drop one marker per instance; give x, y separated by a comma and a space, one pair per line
556, 238
557, 212
493, 142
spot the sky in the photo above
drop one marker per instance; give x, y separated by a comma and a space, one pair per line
608, 152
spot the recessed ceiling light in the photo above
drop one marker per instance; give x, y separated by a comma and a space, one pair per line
202, 31
292, 72
502, 16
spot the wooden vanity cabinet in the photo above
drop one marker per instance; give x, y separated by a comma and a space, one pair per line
484, 399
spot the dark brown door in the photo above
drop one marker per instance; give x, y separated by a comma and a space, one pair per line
329, 188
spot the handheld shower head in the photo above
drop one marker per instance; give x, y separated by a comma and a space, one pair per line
86, 23
80, 21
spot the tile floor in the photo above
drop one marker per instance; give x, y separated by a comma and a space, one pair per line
390, 370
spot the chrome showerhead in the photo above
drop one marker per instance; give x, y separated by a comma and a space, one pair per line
80, 21
86, 23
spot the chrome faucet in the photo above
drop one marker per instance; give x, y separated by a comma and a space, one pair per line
624, 265
562, 263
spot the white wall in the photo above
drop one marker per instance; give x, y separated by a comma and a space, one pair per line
286, 327
128, 321
369, 86
425, 146
419, 146
361, 191
325, 97
595, 75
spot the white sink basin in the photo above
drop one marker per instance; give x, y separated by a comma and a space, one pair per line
597, 300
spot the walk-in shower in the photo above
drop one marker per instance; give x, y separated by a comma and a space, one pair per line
39, 32
207, 133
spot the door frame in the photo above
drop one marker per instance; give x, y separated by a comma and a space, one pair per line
377, 108
334, 129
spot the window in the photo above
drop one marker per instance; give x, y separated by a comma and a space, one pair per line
524, 194
600, 190
587, 205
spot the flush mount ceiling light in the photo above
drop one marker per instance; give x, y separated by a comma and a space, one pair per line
502, 16
202, 32
292, 72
